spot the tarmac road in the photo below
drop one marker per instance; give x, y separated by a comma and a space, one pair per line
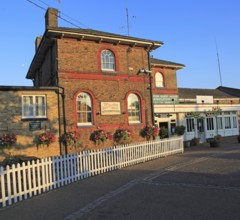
201, 183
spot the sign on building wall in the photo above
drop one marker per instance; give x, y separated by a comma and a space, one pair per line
204, 99
165, 99
35, 125
110, 108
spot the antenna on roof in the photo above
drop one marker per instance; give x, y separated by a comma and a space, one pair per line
127, 19
219, 68
59, 1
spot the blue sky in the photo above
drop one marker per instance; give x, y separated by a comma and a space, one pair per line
189, 29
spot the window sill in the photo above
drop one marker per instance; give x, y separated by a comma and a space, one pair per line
85, 126
34, 119
109, 72
135, 124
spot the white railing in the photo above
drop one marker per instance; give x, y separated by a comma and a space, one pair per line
20, 182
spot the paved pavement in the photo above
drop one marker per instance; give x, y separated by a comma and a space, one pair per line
201, 183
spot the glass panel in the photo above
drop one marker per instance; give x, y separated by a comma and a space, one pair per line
227, 122
107, 60
234, 122
159, 80
190, 124
84, 109
210, 125
219, 123
134, 112
40, 105
28, 106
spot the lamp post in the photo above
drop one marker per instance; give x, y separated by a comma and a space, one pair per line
149, 74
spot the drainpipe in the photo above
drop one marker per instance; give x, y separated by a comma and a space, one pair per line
59, 122
64, 114
150, 87
63, 104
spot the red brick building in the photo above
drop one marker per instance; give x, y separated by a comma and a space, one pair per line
100, 76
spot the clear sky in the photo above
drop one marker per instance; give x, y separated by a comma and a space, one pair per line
190, 30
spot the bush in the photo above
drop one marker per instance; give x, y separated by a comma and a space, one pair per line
180, 130
163, 132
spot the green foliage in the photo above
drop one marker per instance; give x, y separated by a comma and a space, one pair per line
100, 136
45, 138
149, 131
71, 138
7, 139
180, 130
122, 136
163, 132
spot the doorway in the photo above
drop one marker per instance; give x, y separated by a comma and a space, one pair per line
164, 125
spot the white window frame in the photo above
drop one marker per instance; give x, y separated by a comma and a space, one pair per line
190, 124
210, 123
235, 121
219, 123
227, 122
108, 61
34, 106
87, 112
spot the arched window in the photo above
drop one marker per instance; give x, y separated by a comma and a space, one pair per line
108, 61
159, 80
134, 109
84, 109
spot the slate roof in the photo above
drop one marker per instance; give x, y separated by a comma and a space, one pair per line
166, 63
91, 32
230, 91
191, 93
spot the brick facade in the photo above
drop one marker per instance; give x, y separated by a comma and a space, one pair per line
11, 121
79, 70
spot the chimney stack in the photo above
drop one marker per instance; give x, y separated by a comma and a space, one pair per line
51, 18
37, 42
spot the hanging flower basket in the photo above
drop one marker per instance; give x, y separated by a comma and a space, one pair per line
7, 139
45, 138
122, 136
100, 136
71, 138
150, 132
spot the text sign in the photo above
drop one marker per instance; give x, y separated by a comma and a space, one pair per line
35, 125
110, 108
165, 99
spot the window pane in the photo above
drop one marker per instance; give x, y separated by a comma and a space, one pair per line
33, 106
40, 106
84, 109
210, 125
219, 123
28, 106
107, 60
159, 80
234, 122
134, 111
227, 122
190, 124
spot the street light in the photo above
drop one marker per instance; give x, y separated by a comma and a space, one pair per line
149, 74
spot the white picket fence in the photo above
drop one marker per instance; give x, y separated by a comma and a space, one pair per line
20, 182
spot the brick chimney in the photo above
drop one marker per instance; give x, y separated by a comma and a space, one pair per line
51, 18
37, 42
